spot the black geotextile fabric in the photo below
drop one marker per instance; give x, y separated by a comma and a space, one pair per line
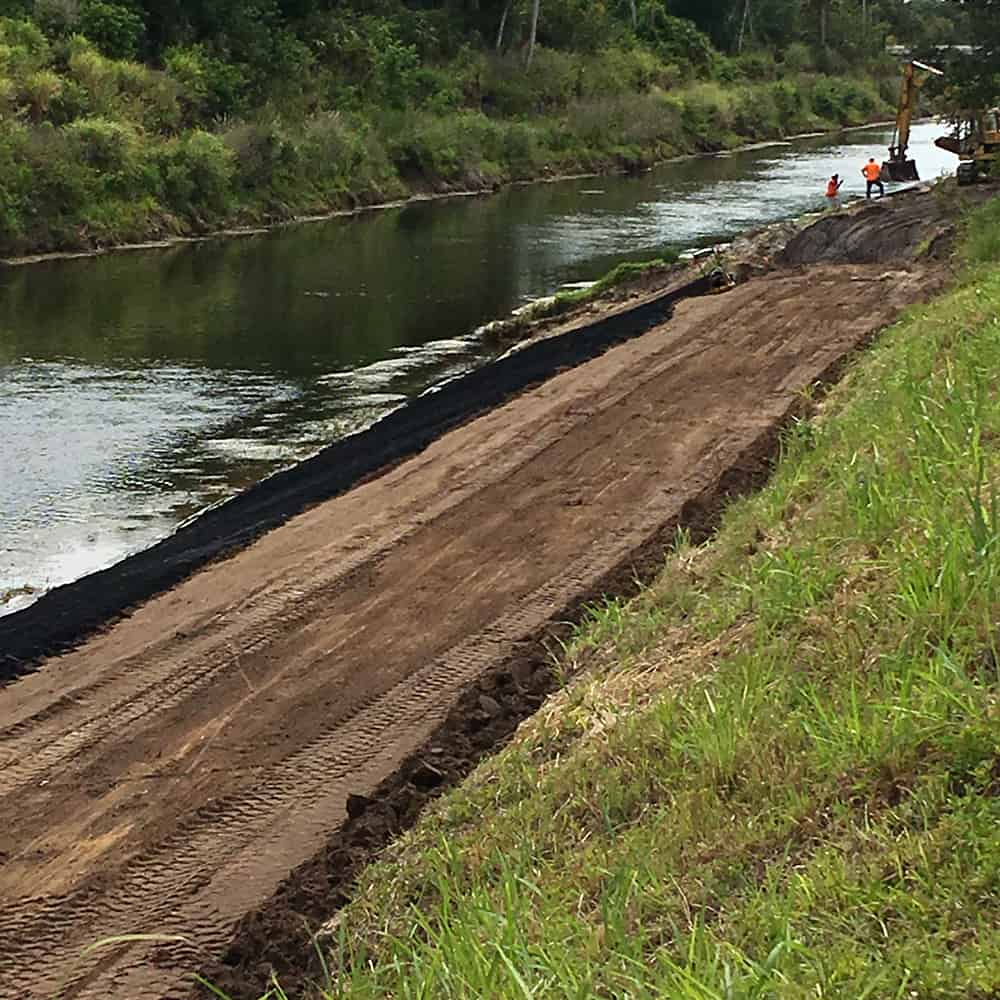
68, 614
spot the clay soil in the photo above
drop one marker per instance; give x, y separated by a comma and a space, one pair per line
239, 744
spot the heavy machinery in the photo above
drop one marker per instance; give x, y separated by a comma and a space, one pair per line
976, 142
898, 167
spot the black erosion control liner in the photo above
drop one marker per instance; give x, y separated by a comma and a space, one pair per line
66, 615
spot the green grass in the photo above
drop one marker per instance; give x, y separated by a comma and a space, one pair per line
777, 771
622, 274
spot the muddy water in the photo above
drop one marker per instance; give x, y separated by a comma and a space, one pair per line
137, 389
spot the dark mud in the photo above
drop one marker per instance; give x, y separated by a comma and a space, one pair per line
893, 231
277, 939
67, 615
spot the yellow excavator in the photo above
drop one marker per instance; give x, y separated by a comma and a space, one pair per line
898, 167
976, 143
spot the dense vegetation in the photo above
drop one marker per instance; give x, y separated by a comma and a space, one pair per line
125, 118
779, 775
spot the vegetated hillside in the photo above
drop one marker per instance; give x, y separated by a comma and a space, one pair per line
780, 775
120, 120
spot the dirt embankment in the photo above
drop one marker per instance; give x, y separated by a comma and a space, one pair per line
242, 743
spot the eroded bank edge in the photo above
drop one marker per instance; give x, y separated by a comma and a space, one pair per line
275, 940
67, 615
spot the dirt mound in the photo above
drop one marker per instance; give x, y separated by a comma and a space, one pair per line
889, 231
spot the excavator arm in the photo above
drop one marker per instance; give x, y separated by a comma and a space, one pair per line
898, 167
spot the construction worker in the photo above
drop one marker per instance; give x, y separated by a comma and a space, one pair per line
833, 186
872, 173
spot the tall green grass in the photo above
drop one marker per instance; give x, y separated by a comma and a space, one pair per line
779, 775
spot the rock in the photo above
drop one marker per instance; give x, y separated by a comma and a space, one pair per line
426, 776
490, 705
357, 805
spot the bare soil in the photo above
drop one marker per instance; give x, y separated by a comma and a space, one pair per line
241, 743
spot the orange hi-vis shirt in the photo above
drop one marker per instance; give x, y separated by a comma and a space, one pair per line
872, 171
831, 189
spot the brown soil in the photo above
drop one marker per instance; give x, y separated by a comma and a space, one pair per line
167, 776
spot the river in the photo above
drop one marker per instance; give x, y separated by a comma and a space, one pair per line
138, 388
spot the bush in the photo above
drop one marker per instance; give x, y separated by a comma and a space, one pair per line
577, 25
264, 155
757, 66
23, 48
196, 173
57, 17
706, 116
553, 80
756, 115
981, 234
209, 86
797, 58
114, 29
97, 75
108, 146
674, 39
38, 91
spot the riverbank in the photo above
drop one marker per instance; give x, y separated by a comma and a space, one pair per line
124, 167
157, 764
251, 230
774, 771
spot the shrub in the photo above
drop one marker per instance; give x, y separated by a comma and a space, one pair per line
553, 80
981, 234
756, 115
23, 48
57, 17
96, 74
396, 68
797, 58
674, 39
37, 92
209, 86
521, 152
706, 115
114, 29
263, 153
105, 145
576, 25
332, 152
196, 173
150, 96
757, 66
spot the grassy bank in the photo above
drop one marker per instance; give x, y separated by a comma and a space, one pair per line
779, 773
96, 150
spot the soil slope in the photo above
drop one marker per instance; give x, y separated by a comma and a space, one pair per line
167, 776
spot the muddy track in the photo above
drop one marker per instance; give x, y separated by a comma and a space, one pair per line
68, 614
169, 774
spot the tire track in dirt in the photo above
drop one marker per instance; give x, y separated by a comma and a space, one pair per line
153, 681
375, 613
68, 614
317, 779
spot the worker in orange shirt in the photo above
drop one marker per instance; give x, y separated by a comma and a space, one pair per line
872, 173
833, 186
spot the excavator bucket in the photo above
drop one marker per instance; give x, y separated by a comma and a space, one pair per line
900, 170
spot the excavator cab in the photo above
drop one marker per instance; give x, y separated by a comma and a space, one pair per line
976, 142
899, 167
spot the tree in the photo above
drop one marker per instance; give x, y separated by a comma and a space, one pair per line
973, 78
534, 33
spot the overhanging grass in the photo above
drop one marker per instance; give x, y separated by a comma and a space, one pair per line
814, 811
622, 274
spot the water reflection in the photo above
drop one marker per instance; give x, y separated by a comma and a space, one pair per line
138, 388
